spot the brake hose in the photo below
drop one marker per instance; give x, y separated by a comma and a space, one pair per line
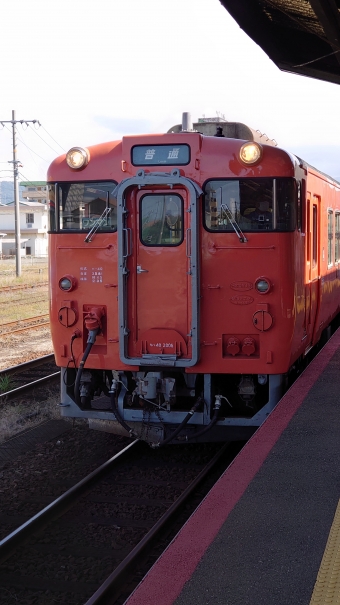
206, 428
213, 421
180, 426
90, 342
116, 413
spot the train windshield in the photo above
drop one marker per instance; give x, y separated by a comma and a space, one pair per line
78, 206
263, 204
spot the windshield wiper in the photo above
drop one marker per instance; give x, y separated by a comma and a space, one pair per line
234, 223
98, 223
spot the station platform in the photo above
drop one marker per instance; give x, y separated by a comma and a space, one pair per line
268, 533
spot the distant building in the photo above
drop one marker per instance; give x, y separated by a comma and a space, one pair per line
34, 191
33, 228
1, 236
7, 192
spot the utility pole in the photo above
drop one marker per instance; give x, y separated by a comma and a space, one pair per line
15, 163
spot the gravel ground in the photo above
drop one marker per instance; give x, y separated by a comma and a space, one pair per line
98, 529
21, 347
41, 475
17, 415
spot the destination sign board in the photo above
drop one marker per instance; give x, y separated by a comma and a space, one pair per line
153, 155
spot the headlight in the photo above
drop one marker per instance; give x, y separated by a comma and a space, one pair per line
77, 157
250, 153
262, 285
67, 283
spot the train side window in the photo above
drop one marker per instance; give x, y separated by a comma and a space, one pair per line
315, 236
301, 205
337, 237
161, 220
262, 204
308, 232
330, 237
82, 204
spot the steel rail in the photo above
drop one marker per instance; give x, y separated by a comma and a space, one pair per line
110, 589
58, 506
33, 327
23, 287
19, 321
28, 387
24, 301
27, 365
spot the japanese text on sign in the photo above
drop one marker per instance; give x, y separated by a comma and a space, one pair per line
144, 155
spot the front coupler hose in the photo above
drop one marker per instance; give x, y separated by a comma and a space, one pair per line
116, 413
90, 342
206, 428
180, 426
213, 421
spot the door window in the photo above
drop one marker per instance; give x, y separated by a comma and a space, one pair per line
161, 218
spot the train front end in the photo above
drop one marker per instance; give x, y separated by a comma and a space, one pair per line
174, 283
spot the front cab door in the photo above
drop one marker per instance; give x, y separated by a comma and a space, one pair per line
158, 266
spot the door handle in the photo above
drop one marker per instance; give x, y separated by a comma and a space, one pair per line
188, 243
140, 270
127, 242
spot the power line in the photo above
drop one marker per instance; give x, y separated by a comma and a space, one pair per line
39, 156
5, 127
26, 122
27, 180
53, 138
38, 135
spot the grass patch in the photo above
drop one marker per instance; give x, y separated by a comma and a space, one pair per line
6, 383
15, 418
30, 274
24, 303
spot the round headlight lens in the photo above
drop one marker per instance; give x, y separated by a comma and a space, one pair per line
250, 153
262, 286
77, 157
66, 283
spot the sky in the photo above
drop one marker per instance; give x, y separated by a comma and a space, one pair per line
91, 72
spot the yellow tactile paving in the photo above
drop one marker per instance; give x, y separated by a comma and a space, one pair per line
327, 586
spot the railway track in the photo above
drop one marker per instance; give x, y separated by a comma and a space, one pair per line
24, 325
22, 287
92, 544
29, 376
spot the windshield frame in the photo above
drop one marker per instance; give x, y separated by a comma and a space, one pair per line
274, 209
54, 211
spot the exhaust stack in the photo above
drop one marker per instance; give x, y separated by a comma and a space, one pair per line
186, 122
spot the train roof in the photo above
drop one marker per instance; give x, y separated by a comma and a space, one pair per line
302, 37
230, 130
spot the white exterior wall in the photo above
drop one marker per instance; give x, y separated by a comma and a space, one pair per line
8, 249
40, 218
33, 236
7, 219
38, 245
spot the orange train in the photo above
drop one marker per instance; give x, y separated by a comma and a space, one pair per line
190, 272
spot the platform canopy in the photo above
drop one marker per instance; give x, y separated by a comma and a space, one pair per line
300, 36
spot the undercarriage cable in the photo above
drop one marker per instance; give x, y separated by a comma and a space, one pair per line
180, 426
